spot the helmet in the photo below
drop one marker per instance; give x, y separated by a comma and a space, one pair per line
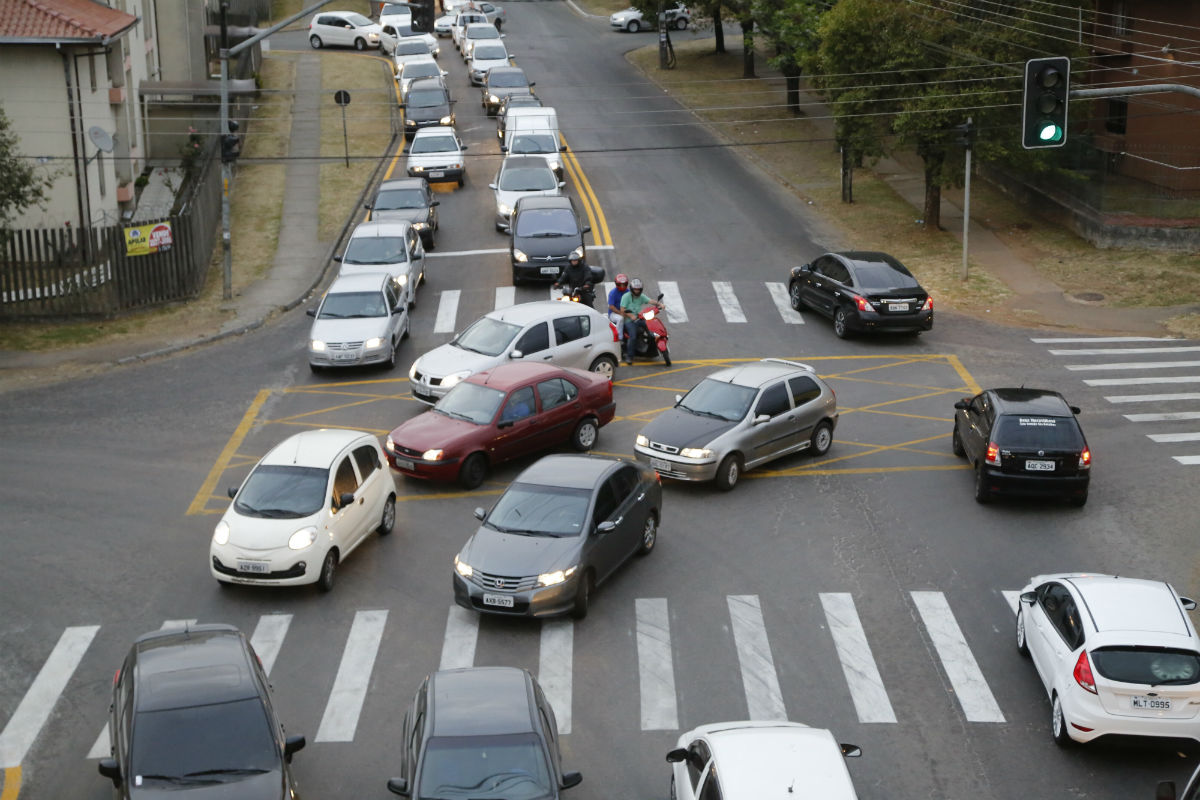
636, 283
622, 279
574, 257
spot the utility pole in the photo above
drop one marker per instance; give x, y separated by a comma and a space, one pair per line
966, 139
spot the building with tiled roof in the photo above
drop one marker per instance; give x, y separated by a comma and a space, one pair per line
61, 22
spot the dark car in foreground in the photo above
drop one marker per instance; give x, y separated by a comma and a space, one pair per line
861, 292
499, 83
427, 103
1023, 441
546, 231
559, 530
407, 200
481, 732
192, 716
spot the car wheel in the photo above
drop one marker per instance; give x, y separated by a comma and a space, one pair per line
666, 357
633, 26
603, 365
328, 571
822, 439
729, 471
315, 41
391, 359
584, 437
582, 596
795, 298
360, 44
388, 520
407, 326
649, 534
956, 444
1058, 723
1080, 501
681, 24
460, 181
673, 795
1022, 645
839, 324
981, 491
224, 584
473, 471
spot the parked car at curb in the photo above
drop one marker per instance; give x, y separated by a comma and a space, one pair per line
343, 29
407, 200
861, 292
361, 320
632, 19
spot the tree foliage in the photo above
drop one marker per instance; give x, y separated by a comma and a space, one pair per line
20, 185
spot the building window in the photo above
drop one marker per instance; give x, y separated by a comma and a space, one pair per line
1118, 115
1119, 18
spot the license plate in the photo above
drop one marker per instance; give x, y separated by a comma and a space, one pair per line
1155, 703
660, 465
550, 270
501, 600
345, 356
1039, 466
404, 464
260, 567
897, 306
437, 173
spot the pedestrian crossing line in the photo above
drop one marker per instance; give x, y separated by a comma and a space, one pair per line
555, 661
268, 637
1152, 398
353, 677
728, 301
783, 303
961, 669
676, 313
1107, 339
858, 664
1169, 416
447, 311
1187, 460
1122, 351
1132, 365
1167, 438
458, 645
656, 670
39, 700
505, 296
764, 699
1143, 380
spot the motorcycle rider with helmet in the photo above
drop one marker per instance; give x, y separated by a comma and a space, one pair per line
577, 275
614, 302
631, 308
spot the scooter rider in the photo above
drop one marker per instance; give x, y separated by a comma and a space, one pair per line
614, 301
631, 307
577, 275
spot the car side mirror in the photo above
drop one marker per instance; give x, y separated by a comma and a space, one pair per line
677, 756
607, 526
761, 418
1165, 791
503, 149
1029, 598
491, 186
480, 513
961, 405
291, 746
462, 146
562, 148
435, 203
312, 312
367, 206
345, 499
561, 184
109, 768
570, 779
232, 492
586, 229
401, 105
851, 750
1075, 410
504, 423
678, 399
398, 786
1188, 603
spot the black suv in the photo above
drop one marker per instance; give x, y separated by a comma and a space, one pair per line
545, 232
1023, 441
861, 292
481, 732
427, 103
192, 710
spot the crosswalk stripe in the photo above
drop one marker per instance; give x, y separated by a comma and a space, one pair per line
447, 312
1120, 351
1187, 460
554, 668
1152, 398
505, 296
858, 665
353, 677
1145, 379
779, 296
1167, 438
1133, 365
268, 637
1012, 598
962, 670
676, 313
1170, 416
656, 671
458, 645
1101, 339
39, 700
730, 306
605, 288
763, 696
172, 624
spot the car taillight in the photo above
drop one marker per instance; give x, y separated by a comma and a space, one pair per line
616, 336
993, 454
1083, 673
1085, 459
862, 303
928, 304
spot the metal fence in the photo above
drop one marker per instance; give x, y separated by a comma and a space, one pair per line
64, 272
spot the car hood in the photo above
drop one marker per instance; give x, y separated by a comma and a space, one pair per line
447, 359
679, 428
516, 554
401, 215
260, 533
543, 246
268, 786
350, 330
510, 198
433, 430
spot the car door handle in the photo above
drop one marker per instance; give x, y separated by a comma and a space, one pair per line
588, 345
547, 358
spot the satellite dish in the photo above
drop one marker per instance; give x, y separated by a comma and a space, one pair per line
101, 138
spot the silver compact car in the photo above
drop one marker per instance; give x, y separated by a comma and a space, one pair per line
361, 320
739, 418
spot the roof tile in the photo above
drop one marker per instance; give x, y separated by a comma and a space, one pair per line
66, 20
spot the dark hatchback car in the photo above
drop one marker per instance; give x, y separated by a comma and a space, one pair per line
407, 200
499, 83
545, 232
862, 292
482, 732
559, 530
1023, 441
428, 103
192, 713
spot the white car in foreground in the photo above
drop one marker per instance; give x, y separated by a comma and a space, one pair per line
437, 154
760, 761
1116, 656
305, 506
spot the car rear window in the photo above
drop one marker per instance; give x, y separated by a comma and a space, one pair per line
1022, 431
882, 276
1155, 666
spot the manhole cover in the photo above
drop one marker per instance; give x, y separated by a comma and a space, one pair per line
1089, 297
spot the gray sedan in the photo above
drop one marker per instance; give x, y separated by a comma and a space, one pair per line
739, 418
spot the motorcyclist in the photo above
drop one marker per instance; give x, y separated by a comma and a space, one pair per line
614, 301
631, 307
577, 275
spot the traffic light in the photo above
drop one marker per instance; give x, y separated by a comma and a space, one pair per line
1044, 109
231, 144
423, 15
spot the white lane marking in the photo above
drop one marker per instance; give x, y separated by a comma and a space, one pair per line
554, 668
1133, 365
353, 677
858, 665
447, 312
493, 250
607, 287
1152, 398
1174, 437
1119, 351
1188, 460
39, 700
730, 306
1100, 339
1012, 598
1145, 379
962, 670
779, 295
505, 296
172, 624
268, 637
458, 645
1170, 416
656, 669
675, 311
763, 696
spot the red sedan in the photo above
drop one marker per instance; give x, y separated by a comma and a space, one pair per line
498, 415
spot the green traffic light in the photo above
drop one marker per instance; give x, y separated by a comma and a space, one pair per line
1049, 132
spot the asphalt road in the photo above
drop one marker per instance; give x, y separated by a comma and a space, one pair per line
111, 487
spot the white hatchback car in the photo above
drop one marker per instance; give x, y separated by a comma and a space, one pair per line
760, 761
305, 506
1116, 655
393, 247
361, 320
522, 176
410, 49
548, 331
437, 154
344, 29
417, 68
485, 56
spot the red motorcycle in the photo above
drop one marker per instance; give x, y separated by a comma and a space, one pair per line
652, 336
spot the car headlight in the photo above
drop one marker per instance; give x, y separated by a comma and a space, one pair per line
463, 568
374, 37
503, 209
447, 120
412, 371
432, 455
418, 226
554, 163
373, 342
643, 441
302, 538
454, 379
417, 168
389, 443
221, 534
493, 99
456, 165
519, 256
556, 577
402, 280
576, 253
317, 344
696, 452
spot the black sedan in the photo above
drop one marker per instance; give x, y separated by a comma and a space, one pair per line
562, 527
407, 200
862, 292
546, 231
499, 83
192, 711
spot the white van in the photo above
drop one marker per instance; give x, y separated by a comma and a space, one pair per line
531, 134
546, 120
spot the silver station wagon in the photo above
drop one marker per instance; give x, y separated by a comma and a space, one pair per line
739, 418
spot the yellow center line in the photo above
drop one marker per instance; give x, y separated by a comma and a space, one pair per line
222, 463
599, 223
12, 783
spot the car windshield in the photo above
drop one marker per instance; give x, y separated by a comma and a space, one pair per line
394, 8
548, 222
511, 766
358, 20
433, 144
375, 250
488, 52
353, 305
533, 509
527, 179
391, 199
471, 402
413, 48
213, 743
882, 277
534, 143
279, 491
1034, 432
483, 32
1155, 666
711, 398
421, 69
488, 336
427, 98
507, 80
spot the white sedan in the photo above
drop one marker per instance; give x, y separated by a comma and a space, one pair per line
305, 506
1116, 656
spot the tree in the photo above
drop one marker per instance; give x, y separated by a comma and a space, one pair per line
791, 27
20, 186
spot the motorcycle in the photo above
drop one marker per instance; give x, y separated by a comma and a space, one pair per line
652, 337
584, 295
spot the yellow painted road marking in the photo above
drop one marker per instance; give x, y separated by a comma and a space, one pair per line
967, 380
231, 448
599, 224
12, 783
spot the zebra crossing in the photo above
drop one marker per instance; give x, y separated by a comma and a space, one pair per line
1135, 362
658, 700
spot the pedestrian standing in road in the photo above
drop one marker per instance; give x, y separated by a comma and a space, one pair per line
499, 23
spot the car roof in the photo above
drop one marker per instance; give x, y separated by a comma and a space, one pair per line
200, 665
757, 373
480, 701
428, 83
358, 282
315, 448
478, 25
568, 471
525, 313
531, 110
518, 161
870, 257
379, 228
783, 760
1030, 401
514, 373
1130, 604
503, 69
405, 183
435, 130
537, 201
